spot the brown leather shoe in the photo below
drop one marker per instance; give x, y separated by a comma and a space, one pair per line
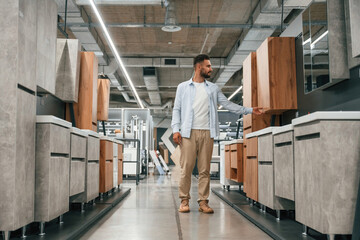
204, 207
184, 206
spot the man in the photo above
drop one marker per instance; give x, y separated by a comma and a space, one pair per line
195, 113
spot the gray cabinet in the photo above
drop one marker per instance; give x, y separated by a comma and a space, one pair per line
327, 170
17, 113
46, 45
284, 162
67, 69
266, 176
78, 140
91, 169
52, 168
17, 162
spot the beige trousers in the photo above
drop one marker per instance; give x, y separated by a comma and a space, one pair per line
199, 146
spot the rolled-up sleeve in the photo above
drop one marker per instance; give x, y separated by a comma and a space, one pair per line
232, 107
176, 116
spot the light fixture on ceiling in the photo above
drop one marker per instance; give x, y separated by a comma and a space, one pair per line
170, 17
115, 52
232, 95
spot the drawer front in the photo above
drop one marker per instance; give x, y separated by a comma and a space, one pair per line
78, 146
120, 151
265, 148
252, 147
246, 131
77, 177
233, 147
93, 148
227, 147
92, 188
59, 139
234, 160
106, 150
284, 138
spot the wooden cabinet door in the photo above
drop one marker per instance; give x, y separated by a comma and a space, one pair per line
276, 78
250, 81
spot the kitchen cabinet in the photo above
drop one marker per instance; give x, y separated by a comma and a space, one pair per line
276, 78
327, 170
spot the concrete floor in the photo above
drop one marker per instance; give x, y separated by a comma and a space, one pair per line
150, 212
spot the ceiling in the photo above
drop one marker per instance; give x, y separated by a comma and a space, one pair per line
227, 31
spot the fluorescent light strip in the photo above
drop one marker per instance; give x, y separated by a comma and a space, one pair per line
115, 52
318, 39
232, 95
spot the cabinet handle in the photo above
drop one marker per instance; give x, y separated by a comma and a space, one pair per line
308, 136
78, 159
265, 163
59, 155
283, 144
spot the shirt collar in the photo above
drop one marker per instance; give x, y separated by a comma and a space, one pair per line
191, 82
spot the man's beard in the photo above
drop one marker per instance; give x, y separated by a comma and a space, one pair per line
205, 75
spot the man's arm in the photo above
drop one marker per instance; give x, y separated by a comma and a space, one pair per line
232, 107
176, 117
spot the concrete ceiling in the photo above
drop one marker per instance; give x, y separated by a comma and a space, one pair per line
227, 30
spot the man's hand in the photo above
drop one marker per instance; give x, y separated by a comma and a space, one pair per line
258, 110
177, 138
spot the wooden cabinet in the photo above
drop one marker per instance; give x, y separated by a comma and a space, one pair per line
103, 88
106, 166
276, 75
85, 111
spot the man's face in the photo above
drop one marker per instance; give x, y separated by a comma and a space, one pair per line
205, 69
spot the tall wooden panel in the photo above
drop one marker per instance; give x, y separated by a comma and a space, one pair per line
276, 78
85, 110
103, 99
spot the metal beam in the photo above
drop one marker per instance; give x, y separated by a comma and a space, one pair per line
183, 25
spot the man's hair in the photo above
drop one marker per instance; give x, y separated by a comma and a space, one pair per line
200, 58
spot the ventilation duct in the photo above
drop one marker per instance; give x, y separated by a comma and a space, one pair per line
170, 17
151, 83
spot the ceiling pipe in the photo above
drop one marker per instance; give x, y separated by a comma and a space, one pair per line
122, 2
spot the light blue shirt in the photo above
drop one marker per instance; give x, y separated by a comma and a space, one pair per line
183, 113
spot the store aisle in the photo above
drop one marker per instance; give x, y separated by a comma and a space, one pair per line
150, 212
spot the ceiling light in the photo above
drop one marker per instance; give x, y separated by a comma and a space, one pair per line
171, 28
170, 43
232, 95
115, 52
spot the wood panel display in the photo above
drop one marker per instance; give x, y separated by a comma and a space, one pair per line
106, 166
276, 75
103, 99
85, 111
